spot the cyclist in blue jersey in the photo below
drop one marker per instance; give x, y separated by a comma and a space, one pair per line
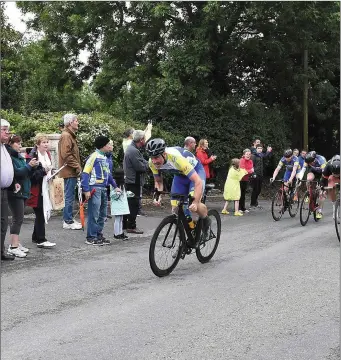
315, 164
291, 165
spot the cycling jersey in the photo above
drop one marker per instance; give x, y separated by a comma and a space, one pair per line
316, 167
176, 162
289, 165
328, 172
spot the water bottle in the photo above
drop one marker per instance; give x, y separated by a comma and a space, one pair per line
191, 223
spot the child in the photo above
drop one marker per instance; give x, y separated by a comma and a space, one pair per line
119, 205
96, 175
232, 187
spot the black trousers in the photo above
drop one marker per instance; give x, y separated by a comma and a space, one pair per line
129, 221
39, 226
243, 188
257, 188
4, 218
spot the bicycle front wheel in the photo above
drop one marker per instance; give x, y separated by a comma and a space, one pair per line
277, 207
294, 204
166, 246
208, 247
337, 218
305, 209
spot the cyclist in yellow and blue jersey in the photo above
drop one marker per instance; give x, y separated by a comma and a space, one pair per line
189, 174
315, 164
291, 166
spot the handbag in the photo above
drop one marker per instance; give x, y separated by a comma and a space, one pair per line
56, 187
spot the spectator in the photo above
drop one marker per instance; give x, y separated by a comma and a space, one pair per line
96, 176
295, 152
6, 179
127, 138
36, 200
232, 187
111, 168
301, 160
68, 153
256, 142
119, 205
190, 144
135, 168
205, 157
247, 164
18, 193
258, 165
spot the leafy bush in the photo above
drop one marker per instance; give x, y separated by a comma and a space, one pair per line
91, 125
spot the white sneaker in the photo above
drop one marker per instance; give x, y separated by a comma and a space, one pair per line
74, 226
16, 252
77, 222
22, 248
46, 245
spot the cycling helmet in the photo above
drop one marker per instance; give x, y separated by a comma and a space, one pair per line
287, 153
336, 165
311, 156
155, 147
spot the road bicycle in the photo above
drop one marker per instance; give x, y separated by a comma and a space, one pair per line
176, 237
285, 200
309, 204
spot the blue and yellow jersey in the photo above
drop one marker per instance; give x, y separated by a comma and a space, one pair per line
97, 172
319, 162
289, 165
177, 163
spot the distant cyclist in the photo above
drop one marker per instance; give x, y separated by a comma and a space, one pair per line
331, 176
315, 165
189, 175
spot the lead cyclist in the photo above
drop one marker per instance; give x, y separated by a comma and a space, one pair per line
189, 176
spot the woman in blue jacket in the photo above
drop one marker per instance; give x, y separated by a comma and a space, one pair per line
18, 192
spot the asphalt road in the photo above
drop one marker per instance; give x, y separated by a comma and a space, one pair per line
270, 292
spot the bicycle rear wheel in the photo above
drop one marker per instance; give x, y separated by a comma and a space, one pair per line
277, 205
305, 209
337, 218
166, 246
294, 204
208, 247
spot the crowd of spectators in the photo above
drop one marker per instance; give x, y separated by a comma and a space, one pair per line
24, 182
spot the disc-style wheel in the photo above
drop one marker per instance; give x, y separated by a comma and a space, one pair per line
305, 209
166, 246
277, 208
208, 246
294, 204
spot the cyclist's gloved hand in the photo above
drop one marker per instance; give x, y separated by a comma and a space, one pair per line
194, 206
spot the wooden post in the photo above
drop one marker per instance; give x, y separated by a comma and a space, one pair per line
305, 101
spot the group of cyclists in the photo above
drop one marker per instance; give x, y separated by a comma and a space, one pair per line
327, 173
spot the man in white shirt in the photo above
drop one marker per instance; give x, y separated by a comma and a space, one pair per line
6, 179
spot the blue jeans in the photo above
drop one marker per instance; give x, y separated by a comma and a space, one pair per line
69, 194
97, 212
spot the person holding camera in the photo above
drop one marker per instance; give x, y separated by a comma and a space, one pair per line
18, 192
206, 158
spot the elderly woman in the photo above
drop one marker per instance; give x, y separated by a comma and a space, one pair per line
205, 157
40, 152
18, 192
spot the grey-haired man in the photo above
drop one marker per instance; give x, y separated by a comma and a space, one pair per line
135, 168
68, 152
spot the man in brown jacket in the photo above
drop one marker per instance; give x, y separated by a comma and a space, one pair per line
68, 152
